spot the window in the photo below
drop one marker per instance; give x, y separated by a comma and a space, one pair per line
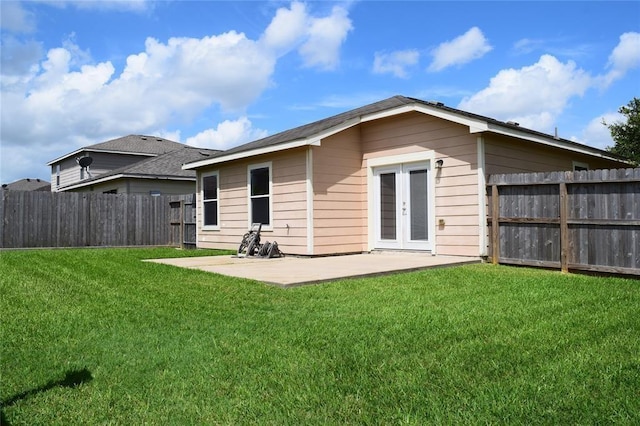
578, 166
57, 175
260, 194
210, 190
111, 191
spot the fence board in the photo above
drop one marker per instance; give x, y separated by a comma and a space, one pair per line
573, 220
44, 219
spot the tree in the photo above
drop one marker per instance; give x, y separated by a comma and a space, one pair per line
627, 135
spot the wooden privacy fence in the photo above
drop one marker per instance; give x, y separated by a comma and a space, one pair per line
586, 220
68, 219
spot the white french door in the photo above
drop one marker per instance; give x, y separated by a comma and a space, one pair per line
401, 206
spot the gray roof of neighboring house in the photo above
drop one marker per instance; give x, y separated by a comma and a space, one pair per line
166, 166
131, 144
317, 127
137, 144
27, 184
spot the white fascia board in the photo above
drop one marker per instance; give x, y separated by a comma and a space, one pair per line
245, 154
314, 140
125, 176
475, 125
106, 151
93, 182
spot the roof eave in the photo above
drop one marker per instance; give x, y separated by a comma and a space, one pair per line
553, 142
125, 176
475, 125
107, 151
251, 153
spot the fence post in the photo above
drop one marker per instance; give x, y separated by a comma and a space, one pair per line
564, 228
182, 224
495, 226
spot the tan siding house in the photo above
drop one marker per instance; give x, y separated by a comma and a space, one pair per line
399, 174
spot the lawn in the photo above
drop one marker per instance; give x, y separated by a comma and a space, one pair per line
97, 336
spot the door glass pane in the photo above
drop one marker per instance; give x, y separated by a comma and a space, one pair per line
388, 206
418, 203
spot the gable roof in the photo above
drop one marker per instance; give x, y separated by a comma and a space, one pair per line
165, 166
313, 133
27, 184
132, 144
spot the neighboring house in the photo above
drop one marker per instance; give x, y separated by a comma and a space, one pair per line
27, 184
401, 174
134, 164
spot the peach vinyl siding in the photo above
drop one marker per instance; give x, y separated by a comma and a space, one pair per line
339, 195
507, 155
456, 184
320, 194
289, 207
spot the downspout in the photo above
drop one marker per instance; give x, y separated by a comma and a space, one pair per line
309, 159
482, 199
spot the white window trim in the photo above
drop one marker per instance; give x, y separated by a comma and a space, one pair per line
251, 167
215, 173
575, 164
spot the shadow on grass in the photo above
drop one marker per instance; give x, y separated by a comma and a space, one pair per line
72, 379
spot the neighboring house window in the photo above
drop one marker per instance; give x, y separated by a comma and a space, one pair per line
57, 175
210, 194
111, 191
578, 166
260, 194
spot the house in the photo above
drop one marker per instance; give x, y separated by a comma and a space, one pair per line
134, 164
400, 174
27, 184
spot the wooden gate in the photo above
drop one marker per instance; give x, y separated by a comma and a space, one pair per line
183, 218
587, 220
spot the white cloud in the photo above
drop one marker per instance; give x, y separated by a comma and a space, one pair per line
533, 95
625, 57
15, 18
395, 63
287, 28
325, 36
318, 39
597, 134
229, 133
461, 50
68, 97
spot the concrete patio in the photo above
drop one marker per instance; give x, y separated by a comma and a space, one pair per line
292, 271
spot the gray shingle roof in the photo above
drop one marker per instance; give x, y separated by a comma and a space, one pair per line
27, 184
316, 127
311, 129
137, 144
134, 144
166, 166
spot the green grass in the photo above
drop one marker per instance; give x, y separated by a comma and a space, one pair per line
163, 345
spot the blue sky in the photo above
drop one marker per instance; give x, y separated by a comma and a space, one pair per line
217, 74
